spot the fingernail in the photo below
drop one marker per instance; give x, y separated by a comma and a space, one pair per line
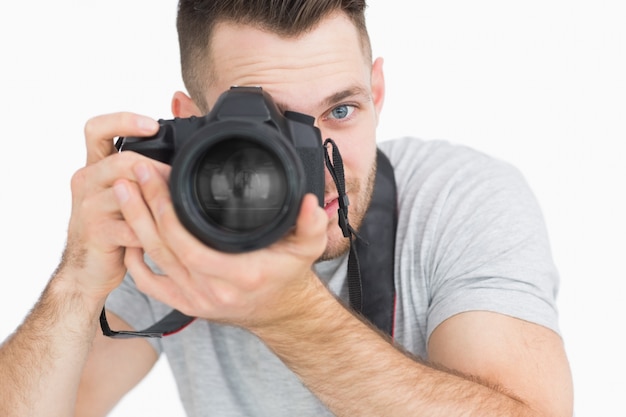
147, 124
121, 192
161, 206
142, 173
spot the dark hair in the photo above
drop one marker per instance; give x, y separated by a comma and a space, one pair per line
288, 18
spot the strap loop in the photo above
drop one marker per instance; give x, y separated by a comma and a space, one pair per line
355, 287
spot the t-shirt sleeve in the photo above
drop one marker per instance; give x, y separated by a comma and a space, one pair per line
490, 249
479, 237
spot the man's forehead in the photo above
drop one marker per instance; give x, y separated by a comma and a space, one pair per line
328, 58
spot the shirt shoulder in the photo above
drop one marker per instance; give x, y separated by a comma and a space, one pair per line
471, 236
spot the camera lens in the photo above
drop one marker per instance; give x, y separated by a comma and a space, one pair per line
240, 186
237, 186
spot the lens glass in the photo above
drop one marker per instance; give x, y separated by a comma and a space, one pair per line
240, 185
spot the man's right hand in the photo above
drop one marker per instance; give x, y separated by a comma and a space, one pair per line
44, 365
98, 234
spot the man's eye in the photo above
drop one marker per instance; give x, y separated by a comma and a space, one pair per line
341, 112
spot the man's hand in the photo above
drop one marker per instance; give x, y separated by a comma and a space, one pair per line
97, 232
248, 289
42, 362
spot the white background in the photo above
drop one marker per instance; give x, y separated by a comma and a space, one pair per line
538, 83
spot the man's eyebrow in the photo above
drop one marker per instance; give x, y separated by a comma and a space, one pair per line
344, 94
335, 97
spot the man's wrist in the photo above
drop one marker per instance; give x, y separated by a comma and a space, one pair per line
310, 312
69, 296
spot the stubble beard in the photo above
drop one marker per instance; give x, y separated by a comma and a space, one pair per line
337, 244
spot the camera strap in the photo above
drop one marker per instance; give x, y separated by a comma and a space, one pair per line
371, 287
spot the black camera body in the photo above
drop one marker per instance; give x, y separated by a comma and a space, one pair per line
240, 172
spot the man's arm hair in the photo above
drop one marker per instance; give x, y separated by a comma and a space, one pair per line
57, 364
41, 362
355, 370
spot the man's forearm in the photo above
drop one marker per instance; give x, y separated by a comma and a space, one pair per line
355, 371
41, 363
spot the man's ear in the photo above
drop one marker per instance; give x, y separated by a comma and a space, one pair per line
378, 85
184, 106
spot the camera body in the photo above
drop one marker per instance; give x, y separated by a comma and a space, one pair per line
239, 173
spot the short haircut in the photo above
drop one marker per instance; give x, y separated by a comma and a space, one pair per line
287, 18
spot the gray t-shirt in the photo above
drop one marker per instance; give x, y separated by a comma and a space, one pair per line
470, 237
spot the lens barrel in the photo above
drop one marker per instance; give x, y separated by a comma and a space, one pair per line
237, 186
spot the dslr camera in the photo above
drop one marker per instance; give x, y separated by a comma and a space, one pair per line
239, 173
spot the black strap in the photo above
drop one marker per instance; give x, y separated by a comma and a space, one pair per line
376, 248
173, 322
370, 277
371, 286
335, 167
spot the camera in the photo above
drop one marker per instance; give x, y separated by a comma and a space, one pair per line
239, 173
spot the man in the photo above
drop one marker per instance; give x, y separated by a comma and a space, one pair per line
476, 329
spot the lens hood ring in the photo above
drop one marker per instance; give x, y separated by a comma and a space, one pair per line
187, 168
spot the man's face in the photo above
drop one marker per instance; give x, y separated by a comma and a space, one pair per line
325, 74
